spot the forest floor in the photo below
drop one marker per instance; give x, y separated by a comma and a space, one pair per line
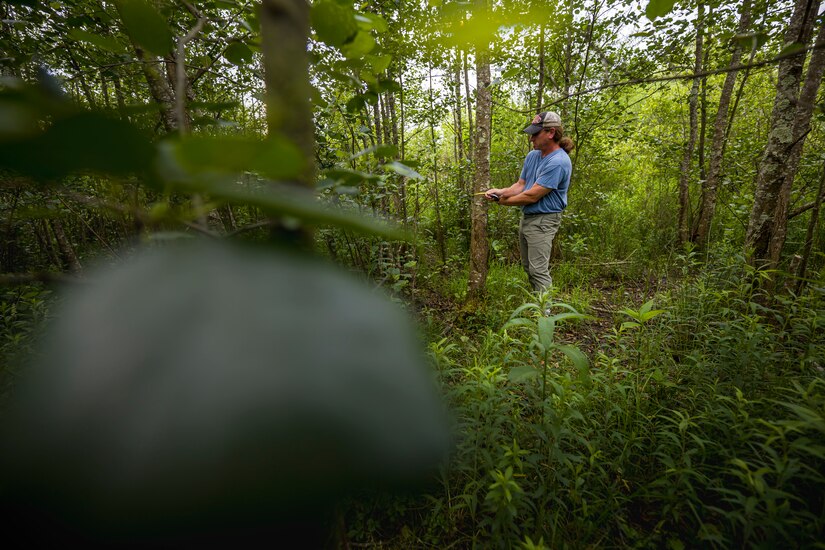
607, 291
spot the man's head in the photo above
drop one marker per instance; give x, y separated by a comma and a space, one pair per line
543, 121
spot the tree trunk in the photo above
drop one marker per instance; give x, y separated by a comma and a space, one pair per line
801, 127
459, 131
540, 92
479, 247
684, 178
159, 89
439, 226
470, 132
809, 236
44, 240
710, 186
578, 136
772, 169
84, 84
284, 32
67, 251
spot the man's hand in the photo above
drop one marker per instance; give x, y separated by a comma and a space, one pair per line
492, 194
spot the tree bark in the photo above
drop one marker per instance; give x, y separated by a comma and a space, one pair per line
772, 169
284, 35
470, 132
67, 251
159, 89
710, 186
439, 226
479, 247
540, 92
684, 178
809, 236
801, 127
284, 32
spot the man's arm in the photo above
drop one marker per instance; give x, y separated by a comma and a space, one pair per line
511, 191
524, 198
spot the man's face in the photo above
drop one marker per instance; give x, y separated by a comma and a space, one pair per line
541, 140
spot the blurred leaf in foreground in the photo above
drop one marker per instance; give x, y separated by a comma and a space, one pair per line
205, 388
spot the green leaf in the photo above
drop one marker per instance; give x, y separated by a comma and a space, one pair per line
648, 315
361, 45
546, 327
519, 322
524, 307
349, 176
384, 150
288, 200
145, 26
792, 48
510, 73
379, 63
403, 170
568, 315
238, 54
579, 360
371, 21
103, 42
629, 324
522, 373
753, 40
659, 8
333, 23
275, 157
79, 142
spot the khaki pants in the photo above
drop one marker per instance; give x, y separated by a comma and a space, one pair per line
536, 234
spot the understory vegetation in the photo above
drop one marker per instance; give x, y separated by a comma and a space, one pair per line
667, 392
700, 422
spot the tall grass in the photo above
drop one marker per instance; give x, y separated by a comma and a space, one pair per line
701, 426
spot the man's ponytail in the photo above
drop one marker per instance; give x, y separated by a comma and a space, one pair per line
567, 144
564, 142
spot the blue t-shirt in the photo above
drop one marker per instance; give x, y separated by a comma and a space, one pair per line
552, 172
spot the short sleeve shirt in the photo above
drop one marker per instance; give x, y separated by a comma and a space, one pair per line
552, 172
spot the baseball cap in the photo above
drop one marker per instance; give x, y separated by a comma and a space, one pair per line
547, 119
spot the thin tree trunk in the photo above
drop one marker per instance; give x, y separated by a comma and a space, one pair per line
44, 239
801, 127
479, 247
284, 33
470, 133
684, 178
772, 170
578, 137
721, 124
703, 104
567, 71
159, 89
104, 88
121, 103
540, 92
402, 186
67, 251
459, 130
84, 85
809, 236
439, 227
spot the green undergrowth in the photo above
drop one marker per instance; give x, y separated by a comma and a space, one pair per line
22, 312
698, 421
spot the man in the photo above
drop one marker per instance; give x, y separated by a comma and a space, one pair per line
541, 191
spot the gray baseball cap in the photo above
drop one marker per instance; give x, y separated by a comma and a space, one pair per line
541, 121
